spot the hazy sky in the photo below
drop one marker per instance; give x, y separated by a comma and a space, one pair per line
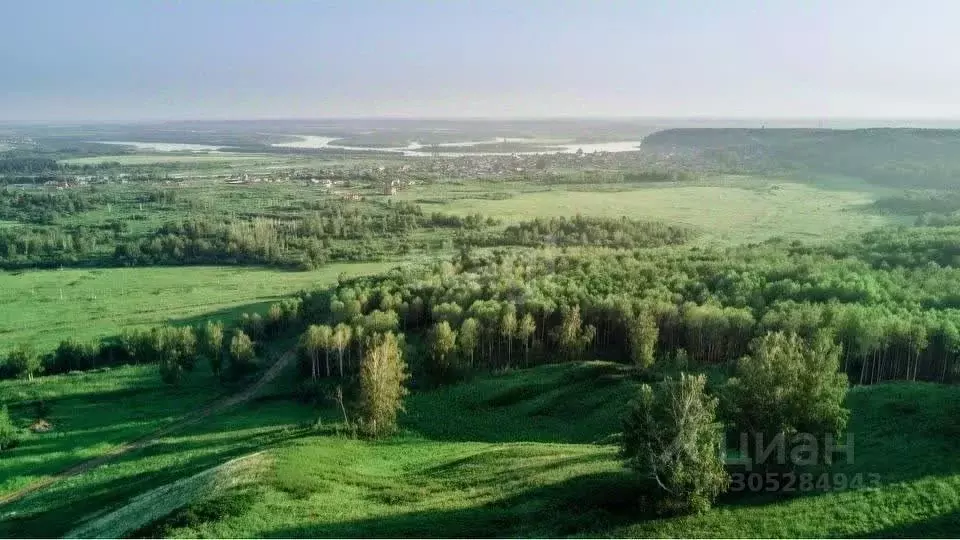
199, 59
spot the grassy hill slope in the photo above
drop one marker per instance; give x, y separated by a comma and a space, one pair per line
532, 453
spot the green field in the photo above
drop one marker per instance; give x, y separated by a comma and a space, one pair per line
729, 212
93, 412
43, 307
528, 453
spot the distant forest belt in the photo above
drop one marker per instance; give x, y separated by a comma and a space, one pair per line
216, 407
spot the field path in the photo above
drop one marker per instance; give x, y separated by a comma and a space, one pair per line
190, 419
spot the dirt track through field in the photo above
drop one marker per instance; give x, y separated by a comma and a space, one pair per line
188, 420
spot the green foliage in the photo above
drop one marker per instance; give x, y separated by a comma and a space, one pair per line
532, 468
316, 339
382, 386
896, 323
787, 387
469, 338
525, 333
253, 325
885, 156
175, 349
340, 340
643, 333
211, 345
442, 341
619, 232
72, 355
571, 336
671, 436
381, 322
242, 353
45, 307
24, 362
10, 435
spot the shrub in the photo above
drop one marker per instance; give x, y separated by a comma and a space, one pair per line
671, 437
242, 353
787, 387
9, 434
176, 348
211, 344
73, 355
24, 362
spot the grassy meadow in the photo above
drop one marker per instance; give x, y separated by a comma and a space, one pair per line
526, 453
729, 211
91, 413
43, 307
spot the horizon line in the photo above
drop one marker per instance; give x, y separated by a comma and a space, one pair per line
688, 118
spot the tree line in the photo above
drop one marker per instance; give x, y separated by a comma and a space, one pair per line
44, 207
324, 231
230, 348
509, 309
619, 232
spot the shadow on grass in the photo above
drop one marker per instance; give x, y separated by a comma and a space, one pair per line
580, 402
588, 504
944, 526
85, 422
55, 511
227, 315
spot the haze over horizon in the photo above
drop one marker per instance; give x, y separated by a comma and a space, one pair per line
111, 60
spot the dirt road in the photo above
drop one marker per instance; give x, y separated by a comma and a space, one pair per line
190, 419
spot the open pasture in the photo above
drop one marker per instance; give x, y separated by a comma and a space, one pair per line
91, 413
45, 306
496, 456
728, 212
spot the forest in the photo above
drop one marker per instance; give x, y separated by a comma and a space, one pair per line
920, 158
517, 308
305, 237
888, 299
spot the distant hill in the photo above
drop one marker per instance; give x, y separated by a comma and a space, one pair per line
896, 157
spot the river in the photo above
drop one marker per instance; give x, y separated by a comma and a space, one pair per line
416, 149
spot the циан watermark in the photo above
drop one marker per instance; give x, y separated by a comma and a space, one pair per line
766, 464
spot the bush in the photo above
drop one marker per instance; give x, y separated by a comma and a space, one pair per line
242, 353
787, 387
10, 436
176, 348
671, 437
170, 371
24, 362
210, 344
72, 355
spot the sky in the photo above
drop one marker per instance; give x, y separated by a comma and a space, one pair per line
110, 60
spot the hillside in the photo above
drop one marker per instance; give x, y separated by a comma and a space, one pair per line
527, 453
884, 156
